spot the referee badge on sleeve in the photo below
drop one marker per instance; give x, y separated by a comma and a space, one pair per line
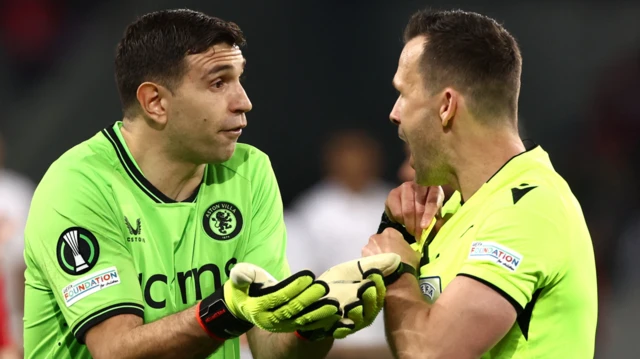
431, 288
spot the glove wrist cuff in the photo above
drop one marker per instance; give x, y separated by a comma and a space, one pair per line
217, 320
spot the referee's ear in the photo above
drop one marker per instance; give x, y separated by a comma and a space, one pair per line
153, 100
449, 106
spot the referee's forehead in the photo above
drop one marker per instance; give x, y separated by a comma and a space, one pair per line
412, 51
409, 58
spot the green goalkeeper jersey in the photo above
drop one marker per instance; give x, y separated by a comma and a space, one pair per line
102, 241
524, 235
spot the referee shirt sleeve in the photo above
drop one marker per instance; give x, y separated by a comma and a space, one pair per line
74, 243
519, 249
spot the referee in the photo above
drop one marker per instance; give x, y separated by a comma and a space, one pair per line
510, 272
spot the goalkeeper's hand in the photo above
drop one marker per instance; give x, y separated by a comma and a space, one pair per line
360, 287
252, 296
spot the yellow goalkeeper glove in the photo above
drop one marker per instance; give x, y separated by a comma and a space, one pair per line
252, 296
359, 286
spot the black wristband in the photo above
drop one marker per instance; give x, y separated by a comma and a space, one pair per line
217, 320
386, 222
402, 269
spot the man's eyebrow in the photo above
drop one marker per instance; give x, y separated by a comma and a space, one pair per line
222, 67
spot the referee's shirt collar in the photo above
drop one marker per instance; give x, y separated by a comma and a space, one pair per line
533, 156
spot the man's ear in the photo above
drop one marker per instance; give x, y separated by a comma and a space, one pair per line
153, 100
448, 106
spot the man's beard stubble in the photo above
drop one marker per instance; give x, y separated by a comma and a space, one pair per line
430, 165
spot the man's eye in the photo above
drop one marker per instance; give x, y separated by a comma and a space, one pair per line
218, 84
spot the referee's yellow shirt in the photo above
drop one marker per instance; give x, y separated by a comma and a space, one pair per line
523, 234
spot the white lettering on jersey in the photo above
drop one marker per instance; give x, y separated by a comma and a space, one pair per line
90, 284
494, 252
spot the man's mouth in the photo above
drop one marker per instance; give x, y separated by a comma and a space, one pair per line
234, 131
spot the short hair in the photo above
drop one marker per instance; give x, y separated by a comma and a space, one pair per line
154, 48
472, 53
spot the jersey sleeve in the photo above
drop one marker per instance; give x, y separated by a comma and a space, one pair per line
267, 242
74, 245
518, 250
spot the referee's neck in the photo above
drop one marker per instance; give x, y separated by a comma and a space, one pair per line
480, 157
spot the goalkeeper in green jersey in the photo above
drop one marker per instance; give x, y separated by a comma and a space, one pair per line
161, 237
508, 271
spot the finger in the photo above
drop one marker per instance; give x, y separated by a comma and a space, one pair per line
343, 328
372, 303
304, 300
408, 208
276, 295
419, 201
243, 275
381, 291
305, 324
356, 314
393, 205
366, 302
434, 199
384, 264
292, 315
318, 314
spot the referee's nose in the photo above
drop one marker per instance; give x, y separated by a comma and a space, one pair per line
394, 116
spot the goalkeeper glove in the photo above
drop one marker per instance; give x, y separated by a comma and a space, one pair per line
360, 287
252, 296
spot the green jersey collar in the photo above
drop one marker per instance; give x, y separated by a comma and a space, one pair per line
130, 166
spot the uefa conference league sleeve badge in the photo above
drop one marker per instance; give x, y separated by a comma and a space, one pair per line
77, 251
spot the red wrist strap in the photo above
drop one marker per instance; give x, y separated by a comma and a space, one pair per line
204, 327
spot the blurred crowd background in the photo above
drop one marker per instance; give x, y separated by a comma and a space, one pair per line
319, 76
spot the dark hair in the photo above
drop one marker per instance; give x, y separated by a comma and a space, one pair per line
472, 53
154, 47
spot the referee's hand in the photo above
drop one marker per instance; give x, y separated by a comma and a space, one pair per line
391, 241
414, 206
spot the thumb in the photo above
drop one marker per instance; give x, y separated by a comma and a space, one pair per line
244, 274
387, 263
347, 271
432, 205
356, 269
